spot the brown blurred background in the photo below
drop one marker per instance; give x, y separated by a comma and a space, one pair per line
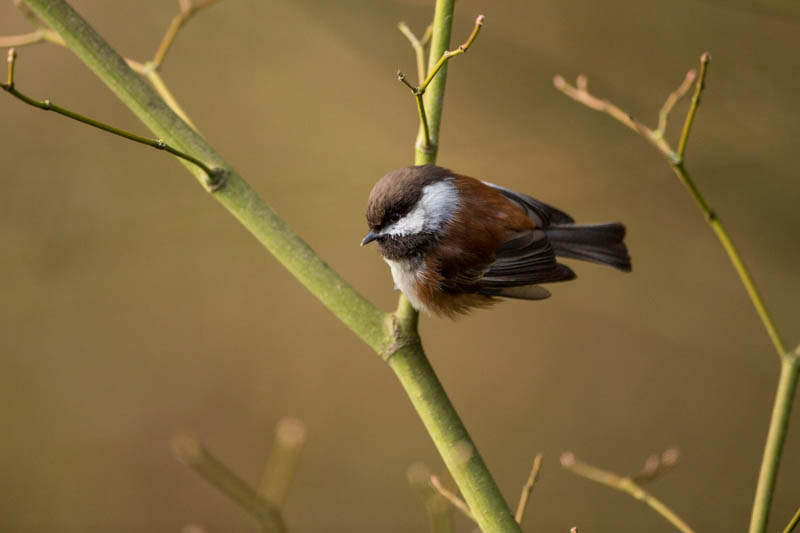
135, 307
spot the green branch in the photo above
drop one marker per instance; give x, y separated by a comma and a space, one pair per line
793, 522
393, 336
790, 361
776, 438
214, 178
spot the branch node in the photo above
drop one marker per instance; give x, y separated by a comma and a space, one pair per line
216, 179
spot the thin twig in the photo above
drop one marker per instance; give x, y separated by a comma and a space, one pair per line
452, 53
624, 484
158, 84
793, 522
194, 455
457, 502
419, 91
673, 98
188, 8
418, 46
580, 94
148, 69
214, 178
42, 35
528, 488
687, 126
290, 436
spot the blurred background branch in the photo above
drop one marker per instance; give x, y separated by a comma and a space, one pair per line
528, 488
437, 507
290, 437
195, 456
625, 484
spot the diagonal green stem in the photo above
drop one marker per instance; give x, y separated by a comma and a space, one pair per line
214, 179
776, 438
793, 522
273, 232
393, 336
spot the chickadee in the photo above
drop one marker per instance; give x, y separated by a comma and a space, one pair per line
454, 242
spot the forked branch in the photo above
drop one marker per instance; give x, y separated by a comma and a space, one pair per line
419, 91
194, 455
453, 498
790, 363
626, 484
579, 92
214, 178
148, 69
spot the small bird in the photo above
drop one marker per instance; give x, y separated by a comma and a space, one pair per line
454, 243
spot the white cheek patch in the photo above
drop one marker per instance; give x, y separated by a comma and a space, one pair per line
438, 203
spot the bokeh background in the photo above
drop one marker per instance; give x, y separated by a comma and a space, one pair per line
135, 307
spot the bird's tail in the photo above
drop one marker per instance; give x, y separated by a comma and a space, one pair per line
598, 243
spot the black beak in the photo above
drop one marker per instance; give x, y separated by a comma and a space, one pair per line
371, 236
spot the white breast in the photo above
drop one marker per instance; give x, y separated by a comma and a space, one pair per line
406, 275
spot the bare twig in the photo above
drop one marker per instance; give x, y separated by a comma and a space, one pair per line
41, 35
462, 48
215, 179
687, 126
673, 98
148, 69
580, 94
625, 484
793, 522
290, 436
187, 9
419, 91
457, 502
419, 48
528, 488
194, 455
436, 506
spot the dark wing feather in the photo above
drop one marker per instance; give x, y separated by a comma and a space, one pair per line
542, 214
527, 259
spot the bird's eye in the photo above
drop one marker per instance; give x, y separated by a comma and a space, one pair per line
394, 217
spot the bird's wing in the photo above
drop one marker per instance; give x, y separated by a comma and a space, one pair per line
542, 214
526, 259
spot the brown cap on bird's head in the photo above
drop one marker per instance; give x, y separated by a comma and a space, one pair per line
399, 190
